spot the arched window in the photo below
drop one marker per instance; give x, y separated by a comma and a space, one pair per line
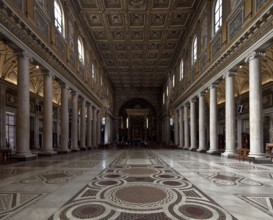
181, 69
194, 49
173, 80
59, 16
217, 15
80, 50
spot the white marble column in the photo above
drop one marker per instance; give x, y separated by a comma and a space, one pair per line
176, 135
186, 127
74, 122
47, 149
83, 125
94, 128
230, 150
36, 124
23, 106
98, 128
193, 125
256, 108
181, 130
89, 126
213, 148
202, 137
64, 120
3, 143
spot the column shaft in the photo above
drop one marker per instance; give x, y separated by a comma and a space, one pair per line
23, 105
176, 135
47, 148
83, 126
89, 126
193, 124
213, 121
64, 121
94, 128
181, 130
74, 123
255, 112
202, 144
230, 117
186, 127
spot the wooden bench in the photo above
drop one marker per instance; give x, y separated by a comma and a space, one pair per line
243, 154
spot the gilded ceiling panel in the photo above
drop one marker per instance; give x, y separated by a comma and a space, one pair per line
136, 39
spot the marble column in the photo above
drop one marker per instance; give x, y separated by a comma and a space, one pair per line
181, 130
23, 106
98, 128
193, 125
176, 135
230, 150
64, 120
36, 124
202, 137
89, 126
58, 124
47, 149
186, 127
256, 108
94, 128
83, 125
74, 122
3, 143
213, 148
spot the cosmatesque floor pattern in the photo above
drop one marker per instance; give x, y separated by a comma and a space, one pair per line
136, 184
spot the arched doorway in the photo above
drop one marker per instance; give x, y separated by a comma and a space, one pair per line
137, 122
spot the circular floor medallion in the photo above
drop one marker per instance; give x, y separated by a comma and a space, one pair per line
88, 211
140, 196
196, 211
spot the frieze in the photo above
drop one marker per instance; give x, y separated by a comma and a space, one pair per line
242, 44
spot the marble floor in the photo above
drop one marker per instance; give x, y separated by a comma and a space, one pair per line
136, 184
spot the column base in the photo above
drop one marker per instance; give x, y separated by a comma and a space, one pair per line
75, 150
89, 148
47, 153
214, 152
193, 149
63, 151
26, 157
201, 150
258, 155
229, 154
83, 148
185, 148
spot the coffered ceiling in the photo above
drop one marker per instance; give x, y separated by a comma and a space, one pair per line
136, 39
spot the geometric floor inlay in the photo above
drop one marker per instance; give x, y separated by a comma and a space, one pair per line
4, 173
242, 166
194, 165
52, 177
148, 191
13, 202
260, 201
228, 179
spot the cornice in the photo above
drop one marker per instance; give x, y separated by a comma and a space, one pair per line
257, 31
27, 38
